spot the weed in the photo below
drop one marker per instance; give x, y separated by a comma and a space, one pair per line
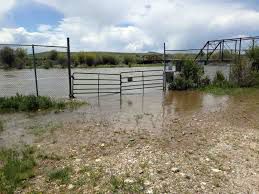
63, 175
119, 185
17, 167
93, 174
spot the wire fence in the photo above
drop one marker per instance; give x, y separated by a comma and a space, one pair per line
34, 69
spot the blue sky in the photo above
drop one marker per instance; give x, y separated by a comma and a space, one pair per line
128, 25
31, 14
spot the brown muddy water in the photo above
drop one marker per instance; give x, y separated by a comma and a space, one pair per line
54, 82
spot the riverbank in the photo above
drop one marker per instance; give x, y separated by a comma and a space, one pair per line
185, 142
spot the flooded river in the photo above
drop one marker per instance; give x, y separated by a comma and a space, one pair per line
54, 82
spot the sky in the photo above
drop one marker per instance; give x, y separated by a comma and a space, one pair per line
126, 25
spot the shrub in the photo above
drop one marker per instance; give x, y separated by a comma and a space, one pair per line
110, 60
129, 60
90, 60
81, 58
181, 83
62, 60
7, 57
243, 74
190, 77
253, 55
15, 168
53, 55
62, 175
205, 81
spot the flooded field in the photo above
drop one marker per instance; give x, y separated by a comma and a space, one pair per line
172, 142
54, 82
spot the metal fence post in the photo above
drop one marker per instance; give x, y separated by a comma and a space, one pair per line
164, 77
120, 85
98, 85
35, 70
143, 82
69, 69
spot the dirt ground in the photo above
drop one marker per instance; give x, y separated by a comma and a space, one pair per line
191, 151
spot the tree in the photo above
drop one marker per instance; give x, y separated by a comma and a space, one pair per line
53, 55
7, 57
20, 58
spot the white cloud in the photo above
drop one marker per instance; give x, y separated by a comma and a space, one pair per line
134, 25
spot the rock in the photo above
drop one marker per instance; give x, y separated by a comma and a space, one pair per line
128, 180
78, 160
175, 170
215, 170
147, 183
70, 186
98, 160
102, 145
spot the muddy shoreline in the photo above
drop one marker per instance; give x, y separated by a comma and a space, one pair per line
186, 142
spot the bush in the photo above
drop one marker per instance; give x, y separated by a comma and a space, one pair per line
62, 60
90, 60
190, 77
7, 57
181, 83
53, 55
110, 60
253, 55
243, 74
81, 58
129, 60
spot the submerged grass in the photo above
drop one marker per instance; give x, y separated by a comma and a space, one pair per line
216, 90
32, 103
15, 168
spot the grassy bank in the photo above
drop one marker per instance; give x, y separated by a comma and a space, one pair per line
31, 103
216, 90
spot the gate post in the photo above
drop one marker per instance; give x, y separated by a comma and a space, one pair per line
69, 69
164, 74
35, 70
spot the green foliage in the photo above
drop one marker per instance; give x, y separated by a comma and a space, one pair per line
7, 57
62, 175
190, 77
90, 60
181, 83
29, 103
53, 55
15, 168
243, 74
110, 60
128, 60
62, 60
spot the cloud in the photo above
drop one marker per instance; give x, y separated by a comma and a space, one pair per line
133, 25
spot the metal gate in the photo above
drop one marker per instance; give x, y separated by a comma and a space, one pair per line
123, 83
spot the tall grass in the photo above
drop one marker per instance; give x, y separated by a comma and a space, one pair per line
20, 103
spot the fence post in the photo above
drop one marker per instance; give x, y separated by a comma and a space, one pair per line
69, 69
120, 85
143, 82
164, 77
35, 70
98, 85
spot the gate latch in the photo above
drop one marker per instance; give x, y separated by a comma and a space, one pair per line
130, 79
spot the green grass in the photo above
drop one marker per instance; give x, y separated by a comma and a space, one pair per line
62, 175
216, 90
32, 103
16, 167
